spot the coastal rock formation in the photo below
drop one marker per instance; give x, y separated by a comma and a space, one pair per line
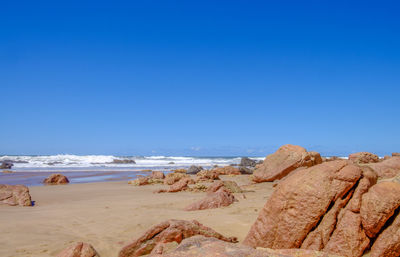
220, 198
171, 178
140, 181
247, 162
168, 231
286, 159
363, 157
231, 186
6, 165
15, 195
386, 168
193, 170
246, 170
378, 205
180, 171
157, 175
227, 170
299, 202
200, 246
206, 175
395, 154
79, 249
181, 185
56, 179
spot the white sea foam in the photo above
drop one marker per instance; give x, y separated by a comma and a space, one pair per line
107, 161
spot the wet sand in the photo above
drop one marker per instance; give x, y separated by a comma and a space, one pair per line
110, 214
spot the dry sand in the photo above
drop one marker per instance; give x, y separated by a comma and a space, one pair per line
109, 215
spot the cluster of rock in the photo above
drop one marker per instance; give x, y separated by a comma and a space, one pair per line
6, 165
335, 206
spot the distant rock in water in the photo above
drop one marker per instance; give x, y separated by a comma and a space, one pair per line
79, 249
193, 170
6, 165
123, 161
15, 195
171, 163
56, 179
247, 162
285, 160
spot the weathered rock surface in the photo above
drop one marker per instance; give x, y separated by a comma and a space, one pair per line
15, 195
299, 202
157, 175
206, 175
387, 168
395, 154
246, 170
181, 185
79, 249
56, 179
227, 170
286, 159
140, 181
349, 238
363, 157
171, 178
378, 205
231, 186
6, 165
194, 170
247, 162
200, 246
168, 231
220, 198
388, 242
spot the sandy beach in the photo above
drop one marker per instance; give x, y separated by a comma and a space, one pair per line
109, 215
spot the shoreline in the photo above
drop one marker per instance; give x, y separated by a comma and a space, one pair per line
110, 214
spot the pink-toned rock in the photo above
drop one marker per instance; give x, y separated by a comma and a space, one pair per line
319, 237
172, 178
199, 246
181, 185
15, 195
168, 231
378, 205
221, 198
386, 169
79, 250
363, 157
231, 186
227, 170
207, 175
286, 159
56, 179
157, 175
388, 242
368, 179
349, 238
299, 202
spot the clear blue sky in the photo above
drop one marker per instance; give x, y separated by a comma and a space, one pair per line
199, 77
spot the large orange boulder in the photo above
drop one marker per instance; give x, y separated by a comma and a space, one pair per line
15, 195
166, 232
79, 249
299, 202
56, 179
378, 205
363, 157
220, 198
207, 175
286, 159
387, 168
